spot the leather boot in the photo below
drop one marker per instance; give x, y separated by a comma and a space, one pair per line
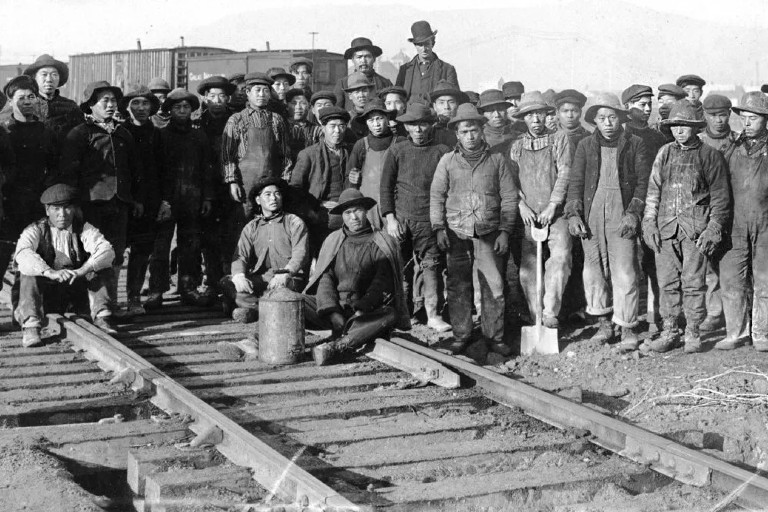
432, 299
669, 339
711, 323
629, 340
692, 340
604, 332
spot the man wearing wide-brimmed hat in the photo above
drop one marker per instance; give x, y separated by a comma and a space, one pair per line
405, 183
363, 54
359, 90
747, 254
544, 161
445, 99
687, 210
498, 130
421, 74
606, 196
473, 208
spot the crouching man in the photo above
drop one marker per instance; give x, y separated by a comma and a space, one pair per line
62, 261
272, 252
357, 283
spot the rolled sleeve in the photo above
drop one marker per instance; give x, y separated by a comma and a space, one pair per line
29, 262
102, 253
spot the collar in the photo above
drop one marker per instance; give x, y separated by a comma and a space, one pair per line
430, 60
695, 143
56, 94
716, 136
278, 217
108, 126
54, 229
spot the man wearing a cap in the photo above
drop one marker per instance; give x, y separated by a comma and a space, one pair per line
569, 104
693, 85
405, 184
686, 210
394, 99
747, 254
497, 130
360, 89
239, 98
301, 69
282, 81
363, 54
272, 252
606, 197
668, 95
513, 91
160, 88
472, 208
420, 76
62, 261
544, 168
445, 99
356, 285
297, 102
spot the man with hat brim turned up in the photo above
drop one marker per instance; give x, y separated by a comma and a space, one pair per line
606, 197
405, 184
420, 75
394, 99
363, 54
160, 88
272, 252
366, 160
544, 162
100, 158
187, 193
301, 68
513, 91
498, 129
356, 284
747, 254
359, 90
686, 174
63, 260
282, 82
445, 100
473, 207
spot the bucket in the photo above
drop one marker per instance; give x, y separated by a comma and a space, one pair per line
281, 327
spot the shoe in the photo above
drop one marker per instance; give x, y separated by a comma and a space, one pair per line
458, 346
105, 324
760, 342
195, 298
629, 340
550, 322
154, 301
245, 315
692, 340
323, 353
438, 324
669, 339
604, 332
31, 337
730, 343
501, 348
711, 323
133, 310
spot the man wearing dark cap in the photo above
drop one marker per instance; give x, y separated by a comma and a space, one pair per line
363, 54
686, 174
359, 90
569, 103
498, 129
693, 85
356, 287
513, 91
160, 88
239, 98
420, 76
394, 99
63, 261
668, 95
472, 97
282, 81
445, 100
301, 68
272, 252
317, 102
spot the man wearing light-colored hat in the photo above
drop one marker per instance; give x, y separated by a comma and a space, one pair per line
363, 54
421, 74
359, 90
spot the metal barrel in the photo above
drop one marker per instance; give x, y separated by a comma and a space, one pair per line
281, 327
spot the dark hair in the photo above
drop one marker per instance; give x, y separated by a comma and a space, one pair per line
18, 85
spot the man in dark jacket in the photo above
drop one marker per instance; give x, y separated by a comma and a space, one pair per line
421, 74
686, 211
363, 54
606, 196
445, 99
360, 90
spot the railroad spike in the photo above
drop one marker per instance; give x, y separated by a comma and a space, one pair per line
212, 435
126, 376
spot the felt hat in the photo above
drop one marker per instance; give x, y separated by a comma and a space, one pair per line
93, 88
358, 80
45, 61
446, 88
236, 78
275, 73
473, 97
375, 105
570, 96
328, 113
179, 94
258, 78
319, 95
605, 100
417, 113
490, 98
634, 92
393, 89
59, 194
690, 80
297, 92
350, 198
421, 31
716, 103
138, 91
466, 112
362, 43
684, 113
298, 61
530, 102
755, 102
764, 88
159, 84
672, 90
549, 97
16, 83
216, 82
513, 90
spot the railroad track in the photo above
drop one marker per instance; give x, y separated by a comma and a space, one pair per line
360, 435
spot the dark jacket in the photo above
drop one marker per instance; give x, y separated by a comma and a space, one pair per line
380, 82
418, 86
147, 186
36, 157
59, 114
634, 164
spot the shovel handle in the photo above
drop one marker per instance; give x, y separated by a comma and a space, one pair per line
539, 282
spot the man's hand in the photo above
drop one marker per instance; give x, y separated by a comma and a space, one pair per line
442, 240
394, 229
526, 214
355, 176
546, 216
651, 235
237, 193
80, 272
164, 213
138, 210
205, 210
278, 281
629, 225
501, 246
60, 276
337, 321
576, 227
242, 283
708, 241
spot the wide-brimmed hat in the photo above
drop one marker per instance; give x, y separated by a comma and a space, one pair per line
417, 113
421, 31
319, 95
45, 61
716, 103
690, 80
159, 84
684, 113
634, 92
275, 73
530, 102
358, 80
16, 83
362, 43
177, 95
216, 82
59, 194
513, 90
605, 100
350, 198
466, 112
328, 113
490, 98
393, 89
375, 105
672, 90
258, 78
472, 97
571, 96
138, 91
446, 88
755, 102
298, 61
93, 88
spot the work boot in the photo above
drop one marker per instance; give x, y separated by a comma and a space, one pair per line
729, 343
629, 340
154, 301
323, 353
105, 324
131, 311
692, 340
669, 338
711, 323
500, 348
760, 342
550, 322
31, 337
434, 320
195, 298
604, 332
245, 315
458, 346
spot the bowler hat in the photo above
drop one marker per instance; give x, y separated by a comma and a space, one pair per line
264, 183
258, 78
690, 80
350, 198
59, 194
216, 82
605, 100
16, 83
634, 92
716, 103
755, 102
328, 113
472, 97
158, 84
417, 113
421, 31
177, 95
323, 95
513, 90
393, 89
446, 88
275, 73
139, 91
466, 112
530, 102
490, 98
298, 61
45, 61
358, 80
362, 43
570, 96
684, 113
93, 88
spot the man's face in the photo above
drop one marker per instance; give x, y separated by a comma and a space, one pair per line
320, 104
281, 87
363, 60
496, 115
425, 49
682, 134
298, 108
469, 134
377, 123
258, 95
359, 97
754, 124
551, 120
511, 111
270, 200
394, 101
666, 99
60, 216
445, 106
569, 115
24, 102
105, 106
334, 131
161, 95
693, 91
717, 121
139, 109
355, 219
640, 110
303, 76
216, 100
536, 121
608, 122
47, 79
181, 111
418, 131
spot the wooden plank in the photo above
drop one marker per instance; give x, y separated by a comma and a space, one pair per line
147, 461
423, 368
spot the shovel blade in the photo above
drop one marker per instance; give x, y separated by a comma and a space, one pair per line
538, 339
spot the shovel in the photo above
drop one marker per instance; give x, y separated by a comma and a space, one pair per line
537, 338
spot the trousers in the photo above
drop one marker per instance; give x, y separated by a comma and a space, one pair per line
188, 253
681, 271
40, 295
